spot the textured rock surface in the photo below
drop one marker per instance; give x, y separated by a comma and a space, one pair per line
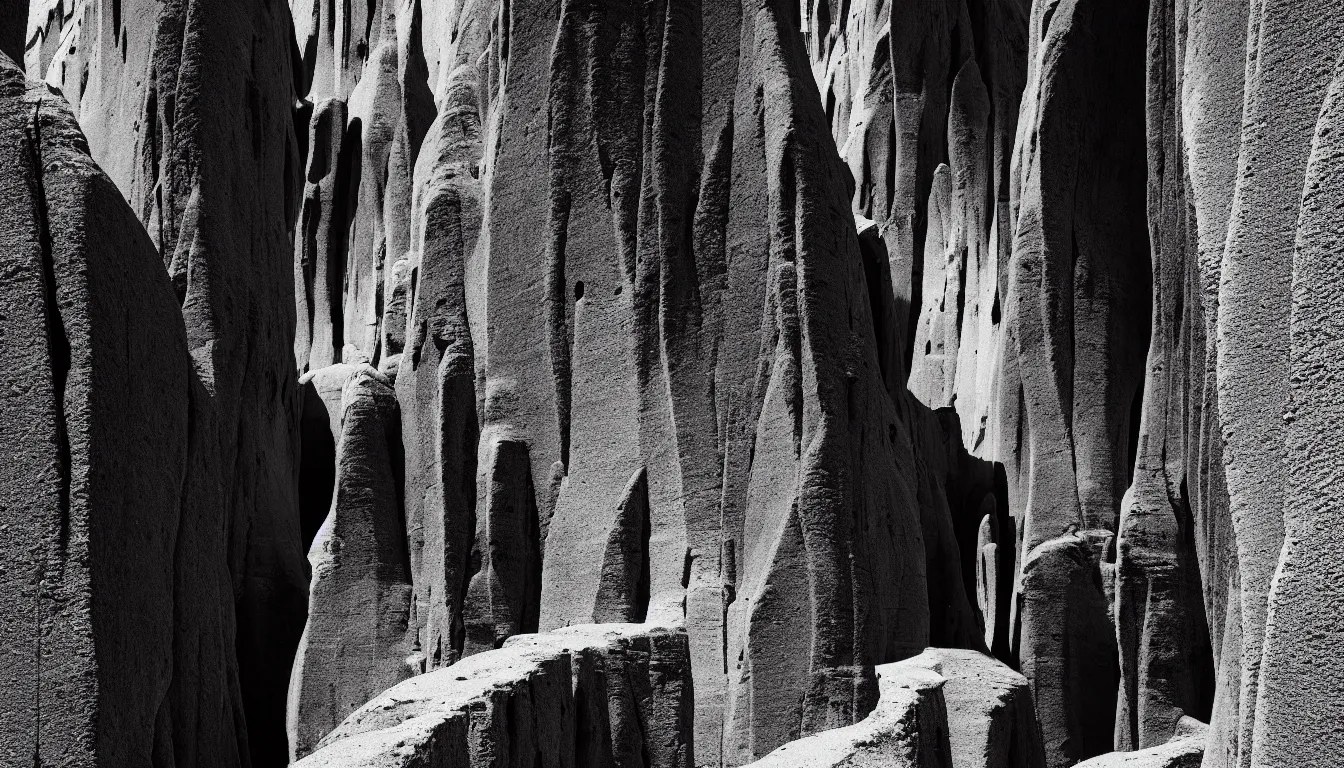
606, 694
1068, 649
1255, 303
187, 107
907, 729
1185, 749
355, 642
821, 330
94, 435
1302, 622
1166, 668
991, 722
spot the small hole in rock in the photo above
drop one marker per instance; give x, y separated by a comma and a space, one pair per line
578, 290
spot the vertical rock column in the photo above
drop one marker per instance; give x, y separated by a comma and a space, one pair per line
436, 379
189, 110
93, 454
1079, 277
355, 644
1165, 665
1291, 52
831, 483
1212, 99
1298, 700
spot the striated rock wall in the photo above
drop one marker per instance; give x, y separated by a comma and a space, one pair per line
665, 403
355, 643
187, 107
94, 428
652, 383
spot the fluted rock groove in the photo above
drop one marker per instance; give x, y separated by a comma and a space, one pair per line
685, 383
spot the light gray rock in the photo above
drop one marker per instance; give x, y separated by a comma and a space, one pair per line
355, 643
319, 252
1291, 52
907, 729
594, 695
1297, 701
1185, 749
437, 371
991, 722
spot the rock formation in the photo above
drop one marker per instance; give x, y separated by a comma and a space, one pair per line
604, 694
907, 728
1185, 749
95, 414
355, 642
187, 107
946, 383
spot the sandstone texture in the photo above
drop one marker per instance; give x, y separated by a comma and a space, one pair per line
907, 729
94, 407
694, 383
602, 694
1185, 749
991, 720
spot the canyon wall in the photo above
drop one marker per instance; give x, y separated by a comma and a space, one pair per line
652, 383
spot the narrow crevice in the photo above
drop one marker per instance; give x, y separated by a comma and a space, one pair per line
57, 339
963, 267
1135, 420
317, 465
349, 174
560, 316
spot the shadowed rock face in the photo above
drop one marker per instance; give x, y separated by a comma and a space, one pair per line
13, 25
94, 426
653, 383
187, 107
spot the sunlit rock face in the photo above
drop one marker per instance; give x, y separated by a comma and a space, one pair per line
942, 383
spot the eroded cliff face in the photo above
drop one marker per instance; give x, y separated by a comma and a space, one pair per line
633, 347
651, 383
187, 108
91, 529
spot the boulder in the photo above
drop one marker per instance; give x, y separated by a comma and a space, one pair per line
1185, 749
991, 722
